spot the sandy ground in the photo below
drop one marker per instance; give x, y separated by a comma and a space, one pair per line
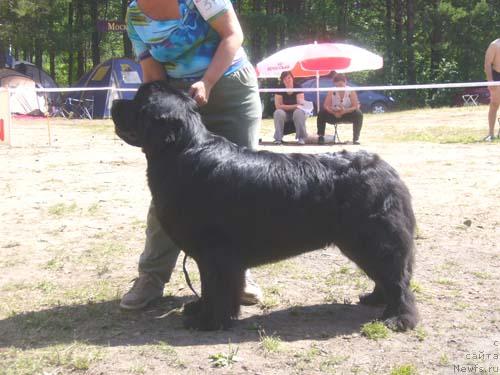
72, 229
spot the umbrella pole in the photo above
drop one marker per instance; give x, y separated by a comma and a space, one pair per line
318, 106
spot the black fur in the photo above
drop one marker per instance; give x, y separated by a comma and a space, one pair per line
231, 208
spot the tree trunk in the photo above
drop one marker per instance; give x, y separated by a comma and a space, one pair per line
96, 53
70, 34
127, 44
80, 55
398, 36
436, 38
388, 40
38, 53
410, 50
52, 62
3, 54
342, 19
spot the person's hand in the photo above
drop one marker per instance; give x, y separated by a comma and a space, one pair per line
200, 92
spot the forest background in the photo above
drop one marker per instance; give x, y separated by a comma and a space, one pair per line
421, 41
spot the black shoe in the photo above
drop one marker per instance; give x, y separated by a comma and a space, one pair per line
321, 140
356, 143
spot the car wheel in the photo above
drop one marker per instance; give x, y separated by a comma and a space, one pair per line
379, 107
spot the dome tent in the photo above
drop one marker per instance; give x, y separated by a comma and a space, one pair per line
117, 73
24, 97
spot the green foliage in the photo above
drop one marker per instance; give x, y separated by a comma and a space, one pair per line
447, 45
375, 330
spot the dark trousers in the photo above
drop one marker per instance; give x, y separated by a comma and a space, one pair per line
356, 118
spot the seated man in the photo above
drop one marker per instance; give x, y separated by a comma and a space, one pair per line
340, 107
288, 108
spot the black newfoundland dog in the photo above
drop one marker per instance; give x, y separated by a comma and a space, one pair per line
231, 208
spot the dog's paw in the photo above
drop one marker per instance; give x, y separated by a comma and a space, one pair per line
374, 298
401, 323
198, 322
192, 308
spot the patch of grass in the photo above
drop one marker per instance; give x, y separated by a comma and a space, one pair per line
270, 344
103, 250
73, 358
420, 333
482, 275
62, 209
54, 264
93, 209
447, 282
309, 355
404, 370
375, 330
329, 365
272, 298
415, 287
224, 359
98, 291
444, 360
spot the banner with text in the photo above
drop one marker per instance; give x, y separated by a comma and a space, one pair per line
105, 26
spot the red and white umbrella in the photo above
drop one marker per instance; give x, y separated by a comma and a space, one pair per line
314, 60
311, 59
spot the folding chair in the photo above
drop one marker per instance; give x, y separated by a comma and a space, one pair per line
289, 127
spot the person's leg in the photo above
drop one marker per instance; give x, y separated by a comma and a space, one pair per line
357, 124
156, 264
233, 111
299, 120
322, 119
493, 110
279, 117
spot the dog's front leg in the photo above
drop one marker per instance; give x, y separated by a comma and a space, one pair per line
222, 281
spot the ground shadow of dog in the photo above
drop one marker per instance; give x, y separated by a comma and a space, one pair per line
104, 323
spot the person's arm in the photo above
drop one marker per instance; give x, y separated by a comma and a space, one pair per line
286, 107
354, 103
488, 62
300, 98
152, 70
278, 101
327, 104
229, 30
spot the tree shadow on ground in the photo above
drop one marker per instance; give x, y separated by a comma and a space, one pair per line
106, 324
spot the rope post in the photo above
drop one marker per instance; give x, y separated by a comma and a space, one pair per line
5, 116
47, 116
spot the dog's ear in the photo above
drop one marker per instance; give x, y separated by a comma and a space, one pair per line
124, 113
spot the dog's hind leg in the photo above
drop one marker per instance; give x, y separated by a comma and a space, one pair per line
222, 281
375, 298
387, 259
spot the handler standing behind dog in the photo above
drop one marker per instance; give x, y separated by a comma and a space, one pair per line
197, 47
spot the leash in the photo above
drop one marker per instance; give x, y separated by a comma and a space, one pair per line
186, 276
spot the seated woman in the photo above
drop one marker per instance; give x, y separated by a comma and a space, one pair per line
288, 108
340, 107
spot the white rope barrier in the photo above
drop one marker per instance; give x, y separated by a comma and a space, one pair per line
311, 89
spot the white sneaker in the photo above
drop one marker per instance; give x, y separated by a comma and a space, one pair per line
252, 294
146, 289
301, 141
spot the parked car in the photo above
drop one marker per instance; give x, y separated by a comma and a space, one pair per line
481, 95
370, 101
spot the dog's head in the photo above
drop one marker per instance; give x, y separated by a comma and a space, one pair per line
155, 117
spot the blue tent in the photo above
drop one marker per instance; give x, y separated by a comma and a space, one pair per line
118, 73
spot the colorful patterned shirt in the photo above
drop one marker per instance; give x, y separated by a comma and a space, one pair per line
185, 46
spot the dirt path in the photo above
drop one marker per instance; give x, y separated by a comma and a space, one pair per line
72, 229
